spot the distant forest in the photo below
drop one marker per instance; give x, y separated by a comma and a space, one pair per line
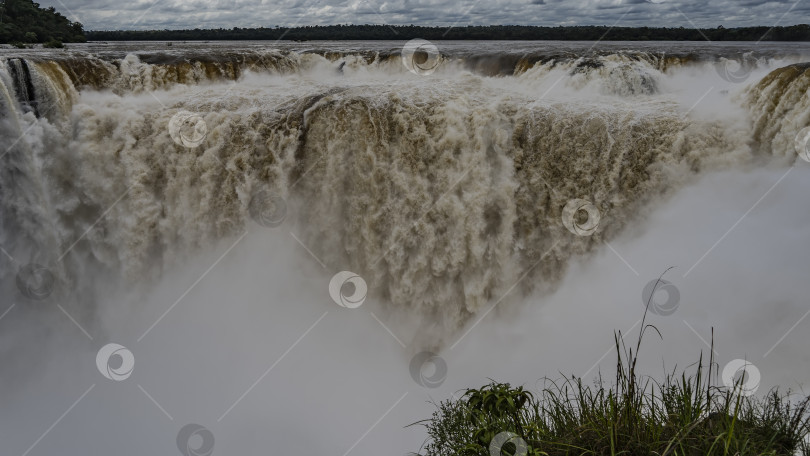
490, 32
23, 21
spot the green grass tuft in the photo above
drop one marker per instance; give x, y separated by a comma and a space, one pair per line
685, 415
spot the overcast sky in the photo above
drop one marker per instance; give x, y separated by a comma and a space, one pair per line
175, 14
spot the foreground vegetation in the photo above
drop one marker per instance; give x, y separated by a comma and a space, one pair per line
684, 415
23, 21
489, 32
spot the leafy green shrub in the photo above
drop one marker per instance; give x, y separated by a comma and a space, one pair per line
53, 44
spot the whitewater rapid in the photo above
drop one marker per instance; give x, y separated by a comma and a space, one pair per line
136, 174
440, 191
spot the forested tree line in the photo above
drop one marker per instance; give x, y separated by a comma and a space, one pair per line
23, 21
490, 32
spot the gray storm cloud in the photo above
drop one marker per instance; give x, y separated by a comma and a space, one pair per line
185, 14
